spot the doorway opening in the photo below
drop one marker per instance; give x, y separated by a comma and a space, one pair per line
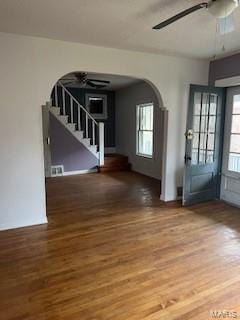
204, 138
103, 123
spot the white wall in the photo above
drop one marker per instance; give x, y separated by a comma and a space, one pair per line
29, 68
126, 101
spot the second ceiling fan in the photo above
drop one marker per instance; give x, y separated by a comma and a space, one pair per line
82, 79
217, 8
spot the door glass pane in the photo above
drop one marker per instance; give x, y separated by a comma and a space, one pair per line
204, 128
204, 120
197, 103
203, 140
202, 151
195, 142
235, 143
205, 103
211, 142
213, 104
236, 124
234, 162
202, 155
210, 157
196, 126
212, 124
194, 156
210, 148
236, 104
196, 123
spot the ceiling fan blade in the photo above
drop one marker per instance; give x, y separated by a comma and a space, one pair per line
96, 86
181, 15
100, 81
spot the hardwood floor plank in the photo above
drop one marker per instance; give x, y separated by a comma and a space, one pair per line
113, 251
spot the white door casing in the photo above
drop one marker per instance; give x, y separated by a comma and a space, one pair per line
230, 184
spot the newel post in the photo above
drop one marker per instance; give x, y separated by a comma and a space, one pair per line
101, 143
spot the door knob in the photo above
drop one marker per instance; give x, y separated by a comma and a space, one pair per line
189, 134
187, 158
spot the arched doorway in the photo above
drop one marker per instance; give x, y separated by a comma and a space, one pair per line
112, 114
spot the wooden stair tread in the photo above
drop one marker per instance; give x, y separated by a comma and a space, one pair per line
115, 168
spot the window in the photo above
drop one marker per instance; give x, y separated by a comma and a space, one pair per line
97, 105
234, 154
145, 130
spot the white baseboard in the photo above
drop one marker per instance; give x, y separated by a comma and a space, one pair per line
169, 198
135, 169
14, 225
110, 150
72, 173
231, 202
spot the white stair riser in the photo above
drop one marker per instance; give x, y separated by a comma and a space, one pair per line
71, 126
55, 110
94, 148
63, 119
86, 142
78, 134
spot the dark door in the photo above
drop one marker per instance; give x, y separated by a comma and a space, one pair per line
204, 139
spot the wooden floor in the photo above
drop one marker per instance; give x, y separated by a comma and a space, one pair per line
113, 251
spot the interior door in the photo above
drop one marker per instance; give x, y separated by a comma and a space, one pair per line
204, 139
230, 186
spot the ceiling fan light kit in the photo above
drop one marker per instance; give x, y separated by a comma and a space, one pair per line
217, 8
222, 8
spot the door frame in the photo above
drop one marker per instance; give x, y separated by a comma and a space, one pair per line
228, 175
188, 143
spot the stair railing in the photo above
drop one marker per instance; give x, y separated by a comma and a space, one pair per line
93, 130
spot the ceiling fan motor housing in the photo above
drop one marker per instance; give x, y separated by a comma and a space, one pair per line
222, 8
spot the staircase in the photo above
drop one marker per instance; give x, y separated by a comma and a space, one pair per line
78, 121
115, 162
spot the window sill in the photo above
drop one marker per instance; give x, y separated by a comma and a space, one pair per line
231, 174
144, 156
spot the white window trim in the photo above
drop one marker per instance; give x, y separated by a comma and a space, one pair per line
147, 156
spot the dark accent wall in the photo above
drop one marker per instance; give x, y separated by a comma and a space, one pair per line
67, 150
224, 68
79, 95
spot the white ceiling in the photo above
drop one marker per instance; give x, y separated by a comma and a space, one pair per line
116, 82
125, 24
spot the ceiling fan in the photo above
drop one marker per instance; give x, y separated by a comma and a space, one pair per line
82, 79
220, 9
